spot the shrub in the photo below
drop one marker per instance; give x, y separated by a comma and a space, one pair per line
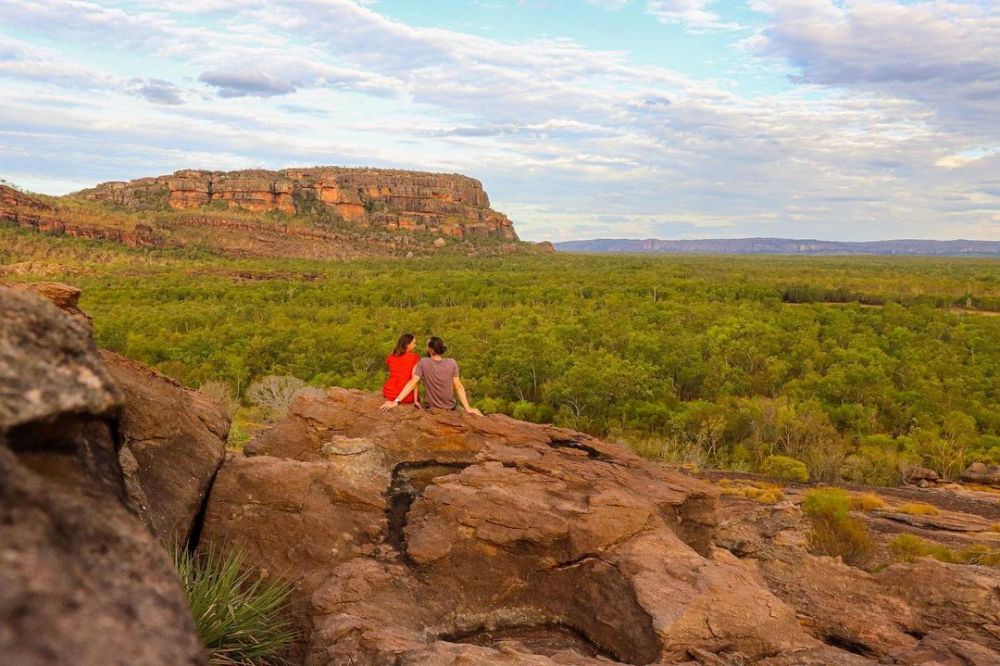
866, 502
240, 620
783, 467
222, 394
906, 548
274, 394
827, 502
918, 509
879, 461
669, 450
833, 531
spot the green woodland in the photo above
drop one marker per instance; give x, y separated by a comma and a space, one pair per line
858, 368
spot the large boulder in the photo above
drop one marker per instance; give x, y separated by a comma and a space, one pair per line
81, 581
173, 441
436, 538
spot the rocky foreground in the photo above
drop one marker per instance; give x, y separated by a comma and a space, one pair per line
413, 538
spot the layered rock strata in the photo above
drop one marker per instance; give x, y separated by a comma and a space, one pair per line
447, 204
29, 212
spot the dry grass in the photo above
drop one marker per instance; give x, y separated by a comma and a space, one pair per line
866, 502
910, 547
759, 491
918, 509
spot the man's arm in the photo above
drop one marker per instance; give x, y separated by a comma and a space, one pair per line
462, 398
410, 385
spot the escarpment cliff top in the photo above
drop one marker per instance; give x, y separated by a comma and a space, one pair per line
448, 204
316, 213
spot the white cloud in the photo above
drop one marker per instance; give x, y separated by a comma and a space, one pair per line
943, 54
682, 11
561, 134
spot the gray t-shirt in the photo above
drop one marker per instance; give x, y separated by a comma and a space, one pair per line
437, 376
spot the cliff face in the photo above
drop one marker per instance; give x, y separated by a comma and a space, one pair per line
28, 212
445, 204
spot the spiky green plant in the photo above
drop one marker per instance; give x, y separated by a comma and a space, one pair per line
240, 618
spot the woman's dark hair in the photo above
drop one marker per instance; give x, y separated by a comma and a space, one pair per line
404, 341
436, 345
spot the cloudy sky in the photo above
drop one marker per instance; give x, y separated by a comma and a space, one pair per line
833, 119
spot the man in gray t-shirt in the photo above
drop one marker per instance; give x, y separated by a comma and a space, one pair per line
440, 378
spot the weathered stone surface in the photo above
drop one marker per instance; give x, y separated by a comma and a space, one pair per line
442, 203
921, 475
173, 441
443, 538
81, 581
48, 364
981, 473
909, 613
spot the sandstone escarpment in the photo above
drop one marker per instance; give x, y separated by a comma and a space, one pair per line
446, 204
29, 212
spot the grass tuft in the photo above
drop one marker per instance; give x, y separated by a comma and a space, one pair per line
866, 502
759, 491
240, 619
910, 547
918, 509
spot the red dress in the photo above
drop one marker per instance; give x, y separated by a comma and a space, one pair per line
400, 372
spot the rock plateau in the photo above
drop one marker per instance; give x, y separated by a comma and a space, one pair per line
448, 204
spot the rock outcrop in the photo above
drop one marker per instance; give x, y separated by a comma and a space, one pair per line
81, 580
448, 204
921, 612
441, 538
173, 441
981, 473
28, 212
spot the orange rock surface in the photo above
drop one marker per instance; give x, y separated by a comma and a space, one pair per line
448, 204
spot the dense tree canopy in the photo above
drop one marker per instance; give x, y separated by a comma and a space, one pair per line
857, 367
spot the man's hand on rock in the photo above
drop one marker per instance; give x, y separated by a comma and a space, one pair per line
387, 405
475, 412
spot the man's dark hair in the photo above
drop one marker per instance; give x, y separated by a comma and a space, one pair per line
436, 345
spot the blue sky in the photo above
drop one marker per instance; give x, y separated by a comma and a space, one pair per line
833, 119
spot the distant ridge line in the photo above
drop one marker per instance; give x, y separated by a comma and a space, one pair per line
951, 248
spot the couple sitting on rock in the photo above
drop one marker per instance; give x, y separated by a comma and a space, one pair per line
439, 376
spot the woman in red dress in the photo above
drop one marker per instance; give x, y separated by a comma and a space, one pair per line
401, 363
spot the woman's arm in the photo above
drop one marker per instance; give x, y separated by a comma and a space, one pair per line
462, 398
410, 385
